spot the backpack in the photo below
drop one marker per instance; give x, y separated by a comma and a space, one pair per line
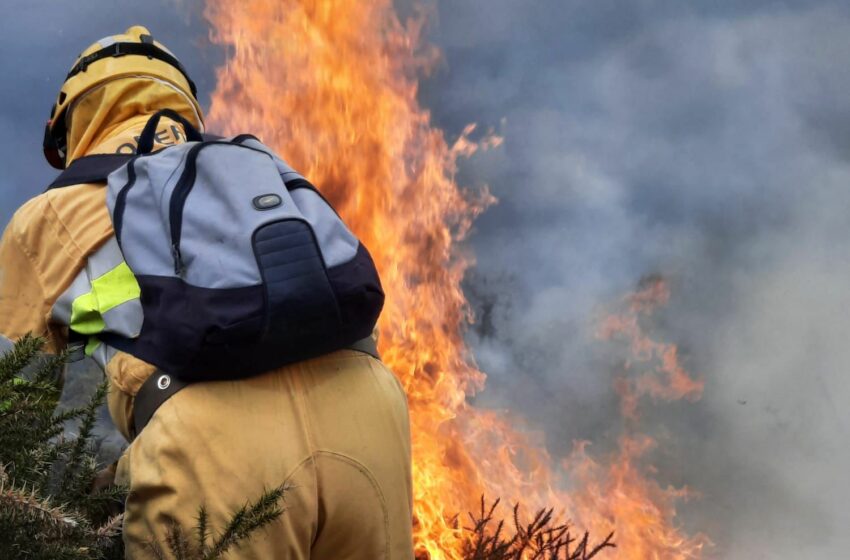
242, 264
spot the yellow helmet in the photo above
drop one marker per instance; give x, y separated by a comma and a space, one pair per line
134, 53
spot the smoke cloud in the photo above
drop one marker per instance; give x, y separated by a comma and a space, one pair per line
707, 143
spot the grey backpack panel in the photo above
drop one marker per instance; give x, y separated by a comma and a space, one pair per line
242, 264
285, 170
143, 230
337, 243
217, 211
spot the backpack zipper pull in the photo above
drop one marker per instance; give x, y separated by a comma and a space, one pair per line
178, 259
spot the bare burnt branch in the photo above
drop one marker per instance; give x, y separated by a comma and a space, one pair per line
541, 538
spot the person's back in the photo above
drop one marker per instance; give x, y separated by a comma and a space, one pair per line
334, 428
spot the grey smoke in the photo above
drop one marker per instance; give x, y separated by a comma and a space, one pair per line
706, 141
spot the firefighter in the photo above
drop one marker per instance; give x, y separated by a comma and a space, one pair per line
334, 428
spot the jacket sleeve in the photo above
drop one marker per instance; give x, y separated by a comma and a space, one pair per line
23, 302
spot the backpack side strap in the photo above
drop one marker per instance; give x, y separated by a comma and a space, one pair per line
160, 387
156, 389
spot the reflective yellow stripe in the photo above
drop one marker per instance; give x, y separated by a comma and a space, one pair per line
91, 346
110, 290
85, 316
115, 287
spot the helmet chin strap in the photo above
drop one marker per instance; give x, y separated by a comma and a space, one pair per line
54, 152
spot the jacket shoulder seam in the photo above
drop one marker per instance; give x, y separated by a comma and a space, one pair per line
25, 250
78, 252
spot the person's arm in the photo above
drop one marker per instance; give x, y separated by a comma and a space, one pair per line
23, 302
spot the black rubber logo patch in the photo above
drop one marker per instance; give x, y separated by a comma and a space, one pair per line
267, 201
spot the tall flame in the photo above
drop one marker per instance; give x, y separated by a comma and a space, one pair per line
332, 85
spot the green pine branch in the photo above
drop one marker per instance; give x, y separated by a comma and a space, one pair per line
50, 505
245, 521
40, 518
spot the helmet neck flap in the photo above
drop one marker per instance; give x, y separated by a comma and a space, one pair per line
135, 53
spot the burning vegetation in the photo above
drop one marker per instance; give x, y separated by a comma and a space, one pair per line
539, 539
332, 85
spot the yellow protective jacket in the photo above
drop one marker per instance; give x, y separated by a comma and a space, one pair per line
335, 428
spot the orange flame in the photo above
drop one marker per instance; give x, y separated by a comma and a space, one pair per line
621, 492
332, 85
675, 383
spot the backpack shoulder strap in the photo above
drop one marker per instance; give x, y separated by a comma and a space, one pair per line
90, 169
96, 168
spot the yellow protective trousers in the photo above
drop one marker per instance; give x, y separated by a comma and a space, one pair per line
334, 429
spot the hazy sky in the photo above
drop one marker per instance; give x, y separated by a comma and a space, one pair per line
705, 141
